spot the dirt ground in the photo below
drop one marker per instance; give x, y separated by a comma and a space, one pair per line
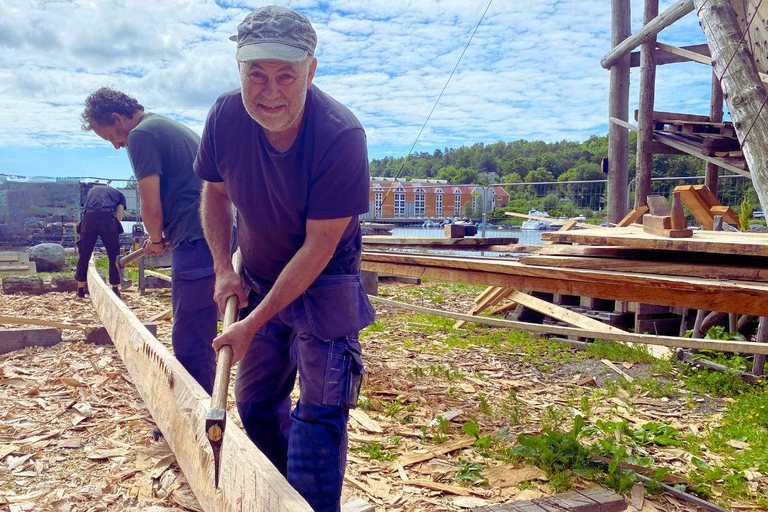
75, 435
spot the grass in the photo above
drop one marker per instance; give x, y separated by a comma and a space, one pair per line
738, 439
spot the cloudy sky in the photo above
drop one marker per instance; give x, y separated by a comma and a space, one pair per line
531, 72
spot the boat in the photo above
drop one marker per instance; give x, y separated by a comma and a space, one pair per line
430, 224
537, 222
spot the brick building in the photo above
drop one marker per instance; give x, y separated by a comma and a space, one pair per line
429, 199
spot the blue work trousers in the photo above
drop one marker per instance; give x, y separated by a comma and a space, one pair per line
195, 313
317, 335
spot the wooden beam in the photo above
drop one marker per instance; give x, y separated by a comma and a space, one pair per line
713, 295
686, 54
489, 297
562, 314
675, 117
623, 124
714, 242
633, 216
177, 403
15, 320
648, 32
745, 347
671, 140
437, 242
158, 275
742, 88
17, 339
709, 271
663, 57
693, 56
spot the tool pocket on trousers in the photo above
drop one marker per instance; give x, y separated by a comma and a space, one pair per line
343, 376
337, 306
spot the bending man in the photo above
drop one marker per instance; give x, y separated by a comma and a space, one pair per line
161, 152
102, 212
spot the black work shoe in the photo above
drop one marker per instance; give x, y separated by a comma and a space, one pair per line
116, 290
81, 293
156, 434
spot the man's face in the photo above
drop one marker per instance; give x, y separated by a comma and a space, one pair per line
274, 92
116, 134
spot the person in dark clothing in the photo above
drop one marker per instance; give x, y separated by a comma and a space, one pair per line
294, 162
102, 213
161, 152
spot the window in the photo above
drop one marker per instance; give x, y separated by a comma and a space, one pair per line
399, 204
439, 205
419, 204
377, 202
474, 204
457, 205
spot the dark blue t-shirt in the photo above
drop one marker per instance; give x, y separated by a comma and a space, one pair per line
324, 175
104, 197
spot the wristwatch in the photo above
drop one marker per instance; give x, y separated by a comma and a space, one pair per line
156, 243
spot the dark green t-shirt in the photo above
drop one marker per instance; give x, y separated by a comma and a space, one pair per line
162, 146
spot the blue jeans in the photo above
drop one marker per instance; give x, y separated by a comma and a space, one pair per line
195, 313
316, 336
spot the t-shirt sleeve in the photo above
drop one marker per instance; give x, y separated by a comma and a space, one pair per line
340, 186
144, 155
205, 161
121, 200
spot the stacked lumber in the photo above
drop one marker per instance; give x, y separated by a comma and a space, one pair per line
16, 263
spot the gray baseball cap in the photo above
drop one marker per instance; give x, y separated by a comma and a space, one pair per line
275, 33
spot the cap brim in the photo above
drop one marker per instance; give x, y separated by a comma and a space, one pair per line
271, 51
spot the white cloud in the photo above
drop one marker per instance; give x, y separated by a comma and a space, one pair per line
532, 70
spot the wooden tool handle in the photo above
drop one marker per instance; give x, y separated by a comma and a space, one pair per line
224, 357
131, 257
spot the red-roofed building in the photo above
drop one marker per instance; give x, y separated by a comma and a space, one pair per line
428, 199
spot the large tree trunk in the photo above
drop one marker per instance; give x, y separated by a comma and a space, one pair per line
743, 91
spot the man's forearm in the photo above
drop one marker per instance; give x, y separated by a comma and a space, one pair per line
216, 217
153, 222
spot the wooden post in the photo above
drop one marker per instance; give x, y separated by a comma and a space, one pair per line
715, 116
758, 364
618, 107
668, 17
743, 91
645, 109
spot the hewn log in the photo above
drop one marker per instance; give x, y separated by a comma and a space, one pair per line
742, 89
645, 109
618, 108
177, 403
649, 30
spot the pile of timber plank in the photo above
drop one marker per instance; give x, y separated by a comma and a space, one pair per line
16, 263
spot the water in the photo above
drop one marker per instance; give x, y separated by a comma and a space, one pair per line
524, 237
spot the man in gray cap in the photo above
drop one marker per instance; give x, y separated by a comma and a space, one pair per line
294, 162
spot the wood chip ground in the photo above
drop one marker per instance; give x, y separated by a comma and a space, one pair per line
75, 436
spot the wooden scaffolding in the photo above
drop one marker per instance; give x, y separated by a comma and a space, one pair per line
736, 32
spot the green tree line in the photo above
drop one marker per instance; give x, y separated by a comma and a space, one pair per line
523, 161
